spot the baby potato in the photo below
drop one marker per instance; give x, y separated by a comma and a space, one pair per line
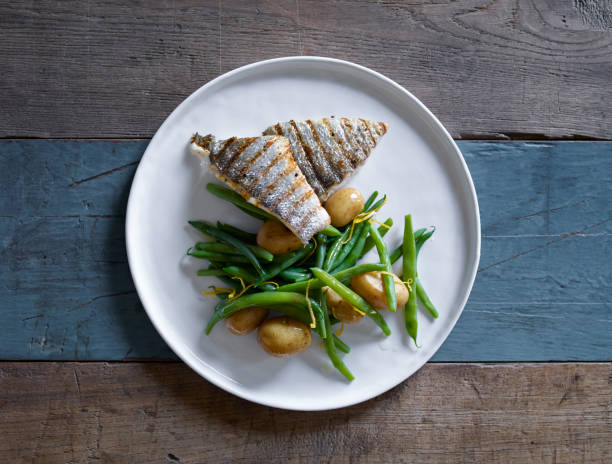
276, 238
344, 205
370, 286
283, 336
341, 308
246, 320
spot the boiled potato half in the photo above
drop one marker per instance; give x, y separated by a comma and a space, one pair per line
246, 320
370, 286
276, 238
341, 308
283, 336
344, 205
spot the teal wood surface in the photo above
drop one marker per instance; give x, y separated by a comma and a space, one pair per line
543, 291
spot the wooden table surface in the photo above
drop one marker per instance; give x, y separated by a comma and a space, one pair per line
524, 85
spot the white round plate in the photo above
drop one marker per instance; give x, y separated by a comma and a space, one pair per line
416, 163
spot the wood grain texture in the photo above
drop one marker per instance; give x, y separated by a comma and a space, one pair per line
487, 69
543, 291
451, 413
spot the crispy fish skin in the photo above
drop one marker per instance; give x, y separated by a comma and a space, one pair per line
329, 150
263, 171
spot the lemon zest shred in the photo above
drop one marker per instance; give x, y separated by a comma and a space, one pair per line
357, 310
362, 217
341, 329
313, 324
234, 295
270, 282
382, 224
408, 283
218, 291
354, 308
242, 292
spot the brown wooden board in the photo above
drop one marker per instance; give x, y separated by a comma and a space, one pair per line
163, 412
503, 69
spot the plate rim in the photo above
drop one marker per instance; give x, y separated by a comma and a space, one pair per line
185, 353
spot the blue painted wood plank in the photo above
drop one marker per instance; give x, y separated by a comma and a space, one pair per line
543, 292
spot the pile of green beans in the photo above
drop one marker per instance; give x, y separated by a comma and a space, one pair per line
295, 284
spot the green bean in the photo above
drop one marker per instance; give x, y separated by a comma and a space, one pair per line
229, 249
420, 290
295, 274
376, 205
331, 231
338, 251
370, 200
211, 272
230, 283
225, 279
339, 343
229, 195
369, 243
321, 249
420, 237
396, 254
217, 257
423, 237
316, 284
349, 245
333, 251
388, 280
292, 258
422, 294
298, 269
352, 297
409, 275
357, 230
254, 214
247, 276
238, 233
300, 313
330, 345
239, 244
226, 309
353, 255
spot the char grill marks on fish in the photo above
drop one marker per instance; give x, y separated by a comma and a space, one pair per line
263, 171
329, 150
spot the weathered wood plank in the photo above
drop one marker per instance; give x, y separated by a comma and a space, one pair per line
452, 413
544, 290
488, 69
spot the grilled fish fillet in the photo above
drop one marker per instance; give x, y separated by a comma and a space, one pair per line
329, 150
262, 170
